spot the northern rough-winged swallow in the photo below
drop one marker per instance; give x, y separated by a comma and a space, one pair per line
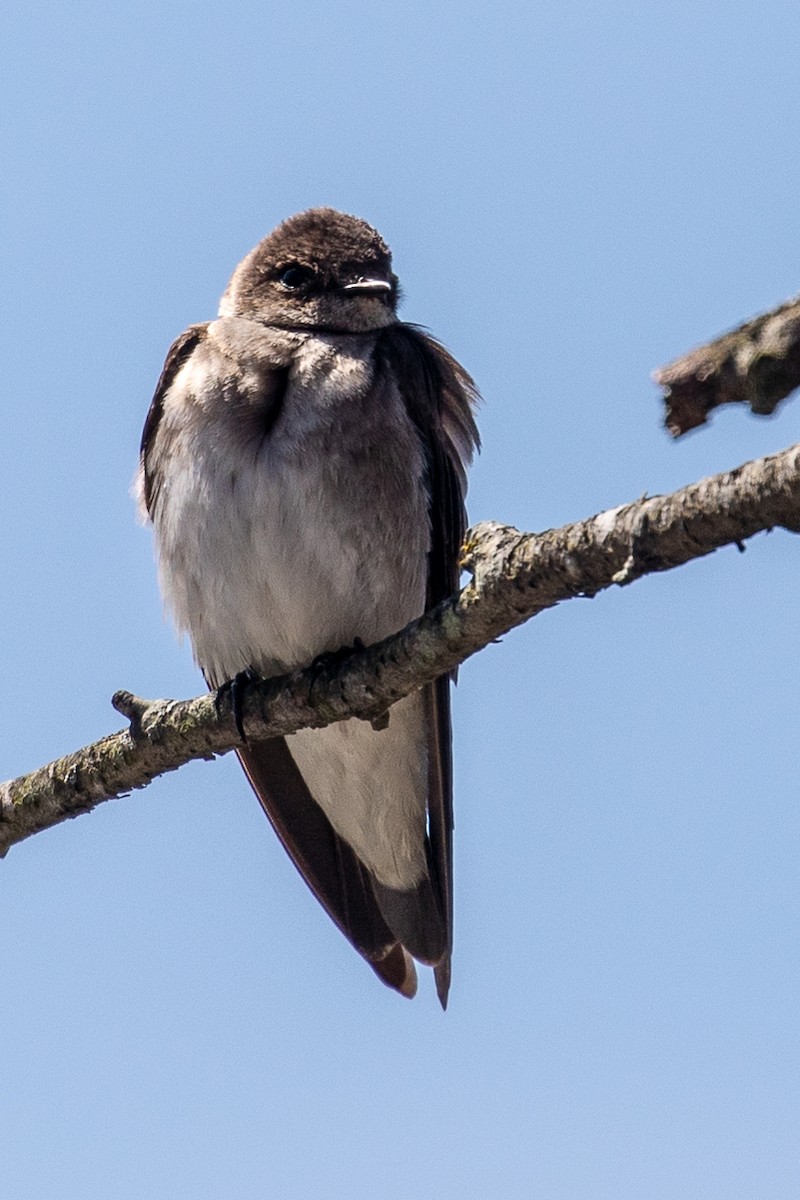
303, 465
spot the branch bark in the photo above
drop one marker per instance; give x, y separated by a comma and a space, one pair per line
514, 576
757, 364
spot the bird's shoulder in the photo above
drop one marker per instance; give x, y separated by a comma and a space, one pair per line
226, 349
237, 361
440, 394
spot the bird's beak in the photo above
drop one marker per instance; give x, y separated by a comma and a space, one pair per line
367, 286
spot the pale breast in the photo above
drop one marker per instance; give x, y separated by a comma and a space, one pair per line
276, 547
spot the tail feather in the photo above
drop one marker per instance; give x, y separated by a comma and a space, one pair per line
397, 971
385, 925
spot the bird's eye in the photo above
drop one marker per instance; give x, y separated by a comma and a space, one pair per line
294, 276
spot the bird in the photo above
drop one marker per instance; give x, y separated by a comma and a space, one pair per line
303, 466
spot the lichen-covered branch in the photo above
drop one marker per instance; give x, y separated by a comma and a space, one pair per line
757, 364
515, 576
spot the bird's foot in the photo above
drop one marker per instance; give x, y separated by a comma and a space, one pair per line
234, 690
329, 659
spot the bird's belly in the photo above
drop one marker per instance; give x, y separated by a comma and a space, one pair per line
271, 568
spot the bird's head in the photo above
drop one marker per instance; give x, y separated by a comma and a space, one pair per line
320, 269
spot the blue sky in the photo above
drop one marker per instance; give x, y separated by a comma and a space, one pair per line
574, 195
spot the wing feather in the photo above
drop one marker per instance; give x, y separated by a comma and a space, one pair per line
440, 397
330, 867
179, 353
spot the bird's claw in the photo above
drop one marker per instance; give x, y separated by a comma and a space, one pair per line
234, 689
332, 658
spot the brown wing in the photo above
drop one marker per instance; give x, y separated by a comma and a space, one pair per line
440, 397
332, 870
179, 352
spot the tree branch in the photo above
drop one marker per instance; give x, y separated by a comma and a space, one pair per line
757, 364
515, 576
